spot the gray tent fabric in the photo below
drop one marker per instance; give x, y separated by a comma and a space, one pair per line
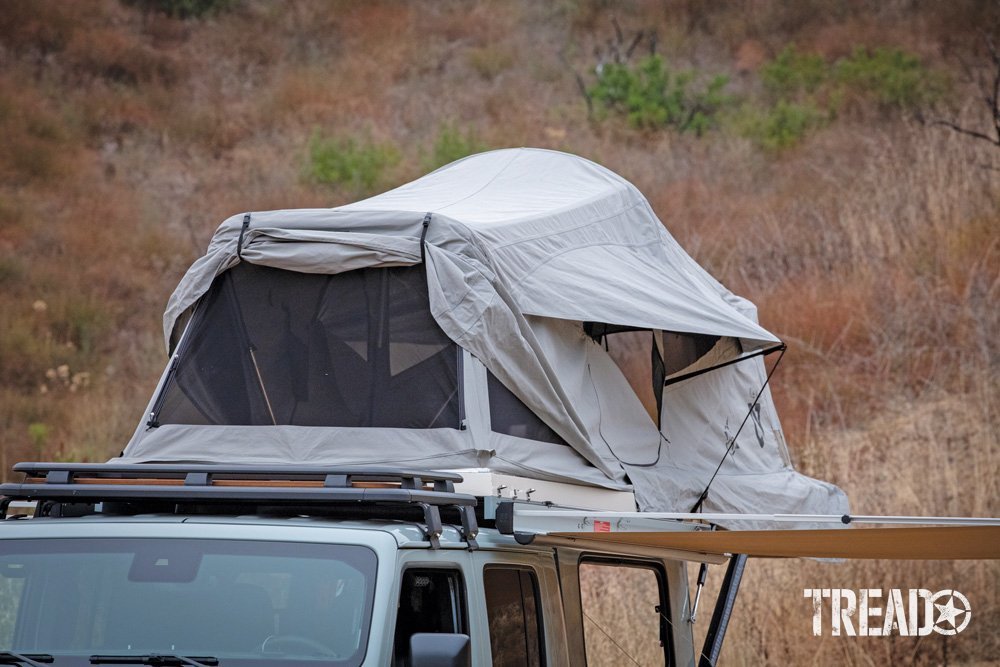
521, 248
700, 416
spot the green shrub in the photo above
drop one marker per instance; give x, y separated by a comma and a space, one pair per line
652, 96
805, 91
452, 145
38, 434
11, 270
793, 72
358, 165
890, 76
85, 323
783, 125
182, 9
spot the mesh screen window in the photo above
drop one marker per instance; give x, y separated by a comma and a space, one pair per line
360, 348
508, 414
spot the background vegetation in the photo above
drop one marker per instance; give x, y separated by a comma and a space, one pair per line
790, 146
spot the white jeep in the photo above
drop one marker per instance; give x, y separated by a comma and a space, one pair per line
243, 566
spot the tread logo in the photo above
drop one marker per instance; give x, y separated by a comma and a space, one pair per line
915, 612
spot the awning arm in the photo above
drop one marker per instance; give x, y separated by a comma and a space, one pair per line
936, 538
723, 611
531, 519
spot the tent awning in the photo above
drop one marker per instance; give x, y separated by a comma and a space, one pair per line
923, 543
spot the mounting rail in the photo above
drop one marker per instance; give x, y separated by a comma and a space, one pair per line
526, 518
54, 484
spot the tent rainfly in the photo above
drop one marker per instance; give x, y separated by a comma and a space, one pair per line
460, 321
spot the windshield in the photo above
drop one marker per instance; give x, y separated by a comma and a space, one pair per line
241, 602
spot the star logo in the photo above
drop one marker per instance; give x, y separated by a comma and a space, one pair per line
956, 615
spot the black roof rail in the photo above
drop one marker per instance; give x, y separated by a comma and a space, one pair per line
252, 485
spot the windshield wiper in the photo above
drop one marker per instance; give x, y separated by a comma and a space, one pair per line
31, 660
155, 660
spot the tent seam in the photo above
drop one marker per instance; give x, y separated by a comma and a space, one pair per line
484, 185
589, 223
551, 258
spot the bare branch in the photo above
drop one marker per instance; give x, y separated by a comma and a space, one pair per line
619, 37
635, 42
586, 96
617, 50
991, 47
990, 95
580, 83
994, 101
962, 130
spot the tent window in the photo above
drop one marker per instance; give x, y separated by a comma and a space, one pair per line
641, 362
509, 415
682, 350
630, 352
360, 348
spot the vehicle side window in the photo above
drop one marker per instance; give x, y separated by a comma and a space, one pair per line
622, 623
11, 587
430, 600
515, 619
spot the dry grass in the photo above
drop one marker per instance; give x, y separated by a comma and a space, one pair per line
932, 457
620, 620
871, 247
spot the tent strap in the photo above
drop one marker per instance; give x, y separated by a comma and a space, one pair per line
423, 236
243, 231
732, 441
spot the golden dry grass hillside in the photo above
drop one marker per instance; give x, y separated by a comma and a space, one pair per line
790, 146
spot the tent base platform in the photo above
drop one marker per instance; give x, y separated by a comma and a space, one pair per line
495, 487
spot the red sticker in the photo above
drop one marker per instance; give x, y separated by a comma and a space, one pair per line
602, 526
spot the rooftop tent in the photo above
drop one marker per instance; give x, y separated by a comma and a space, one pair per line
454, 322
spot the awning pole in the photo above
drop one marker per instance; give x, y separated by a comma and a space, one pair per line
702, 573
723, 611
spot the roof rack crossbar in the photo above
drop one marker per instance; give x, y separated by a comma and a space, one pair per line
197, 479
182, 484
263, 495
58, 477
336, 480
64, 472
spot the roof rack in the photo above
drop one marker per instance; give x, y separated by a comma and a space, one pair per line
51, 484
